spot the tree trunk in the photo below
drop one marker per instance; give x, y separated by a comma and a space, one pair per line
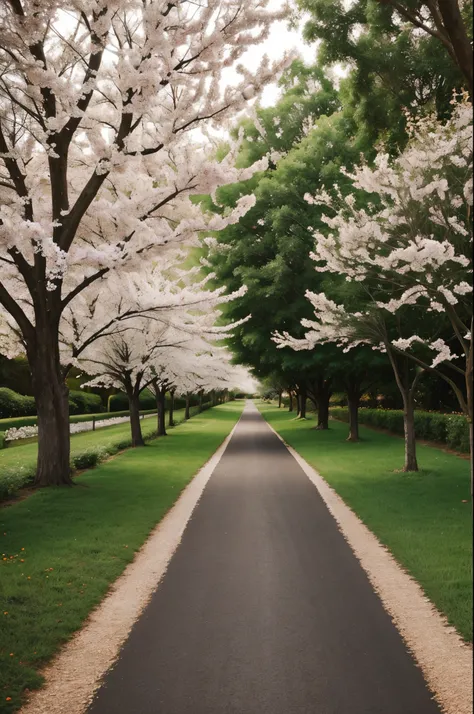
52, 405
171, 412
135, 426
302, 404
200, 402
290, 406
324, 393
187, 411
161, 410
456, 31
409, 428
407, 390
353, 404
323, 413
298, 404
279, 400
353, 392
471, 452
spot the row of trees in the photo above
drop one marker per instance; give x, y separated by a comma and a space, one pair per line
359, 270
105, 109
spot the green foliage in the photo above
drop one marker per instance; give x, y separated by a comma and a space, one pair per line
91, 457
2, 440
394, 67
15, 405
457, 434
119, 402
81, 402
449, 429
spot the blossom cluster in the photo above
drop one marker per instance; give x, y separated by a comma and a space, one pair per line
410, 243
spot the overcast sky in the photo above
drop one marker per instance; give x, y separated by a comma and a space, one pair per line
281, 40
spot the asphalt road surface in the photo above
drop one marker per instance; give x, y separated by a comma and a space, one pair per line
264, 608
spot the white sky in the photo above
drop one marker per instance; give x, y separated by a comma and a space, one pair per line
281, 40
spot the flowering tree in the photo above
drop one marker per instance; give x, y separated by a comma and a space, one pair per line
410, 251
158, 348
98, 104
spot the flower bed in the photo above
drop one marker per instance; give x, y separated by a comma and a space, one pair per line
29, 432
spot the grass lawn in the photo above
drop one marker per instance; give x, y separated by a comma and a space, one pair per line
18, 463
63, 547
420, 517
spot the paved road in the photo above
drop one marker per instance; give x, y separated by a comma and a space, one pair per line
264, 609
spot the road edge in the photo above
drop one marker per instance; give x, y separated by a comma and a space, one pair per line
76, 672
444, 658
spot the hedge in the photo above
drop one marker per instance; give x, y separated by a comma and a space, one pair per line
147, 401
81, 402
449, 429
14, 405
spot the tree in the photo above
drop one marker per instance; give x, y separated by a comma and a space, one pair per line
409, 249
442, 19
158, 350
98, 104
392, 65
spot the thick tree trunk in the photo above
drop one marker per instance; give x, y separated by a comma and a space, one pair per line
200, 401
161, 411
171, 411
298, 404
52, 405
353, 404
409, 428
279, 400
324, 393
290, 405
456, 31
187, 411
135, 426
323, 413
302, 403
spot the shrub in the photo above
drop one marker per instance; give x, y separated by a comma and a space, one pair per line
449, 429
81, 402
2, 440
119, 402
13, 404
89, 458
14, 479
457, 433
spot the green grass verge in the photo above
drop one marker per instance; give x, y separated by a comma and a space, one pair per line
17, 464
65, 546
420, 517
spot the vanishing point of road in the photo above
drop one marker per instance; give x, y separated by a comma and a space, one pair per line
264, 608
